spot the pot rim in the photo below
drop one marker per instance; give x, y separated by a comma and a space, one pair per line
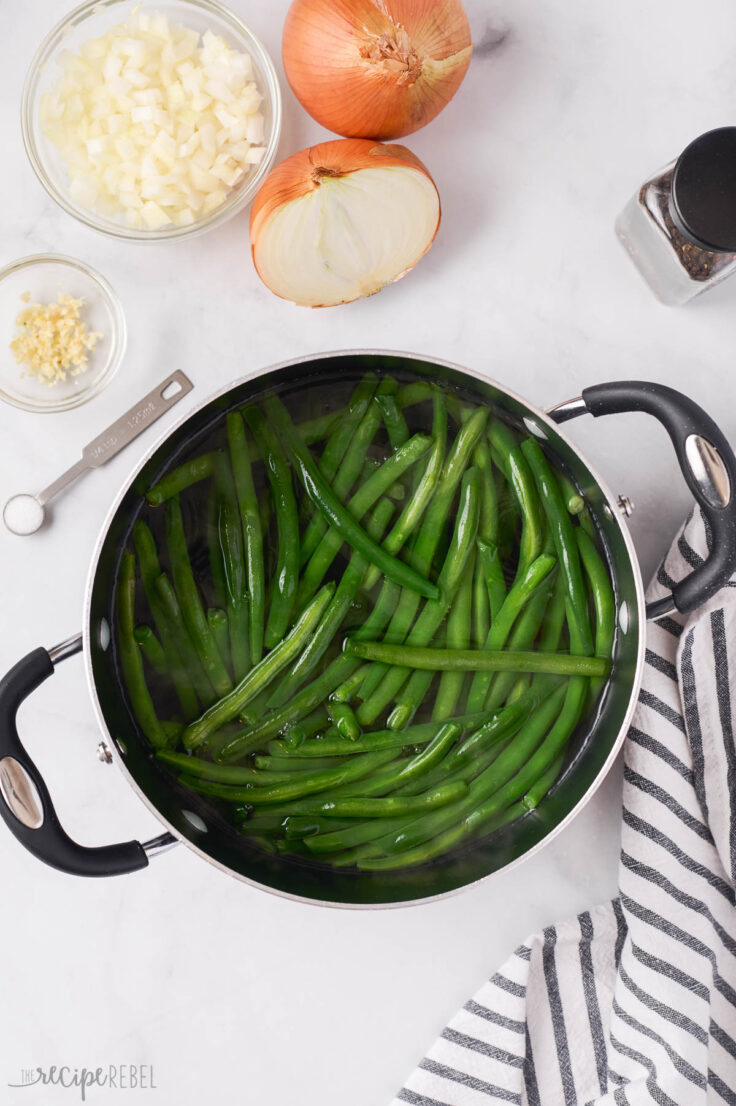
610, 503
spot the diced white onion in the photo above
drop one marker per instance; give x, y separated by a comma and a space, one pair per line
155, 123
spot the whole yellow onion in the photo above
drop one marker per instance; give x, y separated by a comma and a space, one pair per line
375, 68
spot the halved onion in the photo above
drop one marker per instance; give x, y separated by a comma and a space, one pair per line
375, 68
340, 220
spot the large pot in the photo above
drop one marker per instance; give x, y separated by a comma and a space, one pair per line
708, 466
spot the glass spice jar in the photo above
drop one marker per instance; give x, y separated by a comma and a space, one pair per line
680, 227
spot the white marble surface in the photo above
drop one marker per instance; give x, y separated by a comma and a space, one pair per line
230, 993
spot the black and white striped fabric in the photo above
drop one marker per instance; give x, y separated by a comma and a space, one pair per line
635, 1001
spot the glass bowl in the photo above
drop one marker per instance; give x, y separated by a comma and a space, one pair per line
95, 18
44, 276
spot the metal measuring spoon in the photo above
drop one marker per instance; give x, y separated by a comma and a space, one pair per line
24, 514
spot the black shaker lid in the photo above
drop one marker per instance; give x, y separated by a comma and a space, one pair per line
704, 190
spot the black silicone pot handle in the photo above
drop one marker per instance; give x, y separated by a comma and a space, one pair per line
47, 841
698, 444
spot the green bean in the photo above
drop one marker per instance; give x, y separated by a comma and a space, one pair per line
150, 568
574, 501
509, 529
233, 555
604, 602
343, 457
393, 416
488, 526
301, 785
498, 821
481, 610
334, 511
165, 597
410, 698
347, 690
190, 603
217, 562
304, 729
433, 613
520, 479
287, 565
215, 741
539, 790
353, 788
519, 594
302, 826
343, 717
256, 821
319, 428
341, 838
364, 498
389, 806
493, 574
252, 531
151, 648
564, 538
180, 478
412, 514
131, 660
414, 393
260, 675
429, 535
478, 660
554, 618
356, 466
207, 769
218, 624
458, 637
333, 617
294, 763
586, 523
459, 411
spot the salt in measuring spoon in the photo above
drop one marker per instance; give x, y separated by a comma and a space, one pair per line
24, 513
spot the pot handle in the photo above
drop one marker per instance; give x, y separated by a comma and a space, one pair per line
25, 803
707, 463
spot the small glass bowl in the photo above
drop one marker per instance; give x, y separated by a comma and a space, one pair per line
95, 18
44, 276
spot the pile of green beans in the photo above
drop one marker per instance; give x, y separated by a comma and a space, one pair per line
369, 637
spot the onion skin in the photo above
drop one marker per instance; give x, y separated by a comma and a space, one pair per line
375, 68
304, 171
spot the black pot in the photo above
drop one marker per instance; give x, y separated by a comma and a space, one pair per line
709, 467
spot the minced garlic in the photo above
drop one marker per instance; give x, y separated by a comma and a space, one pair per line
54, 341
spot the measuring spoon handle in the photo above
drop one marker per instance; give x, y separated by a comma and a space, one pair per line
61, 482
123, 431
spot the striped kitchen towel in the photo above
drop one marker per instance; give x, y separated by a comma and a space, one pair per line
635, 1001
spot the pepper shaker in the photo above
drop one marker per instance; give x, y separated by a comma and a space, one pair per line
680, 228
